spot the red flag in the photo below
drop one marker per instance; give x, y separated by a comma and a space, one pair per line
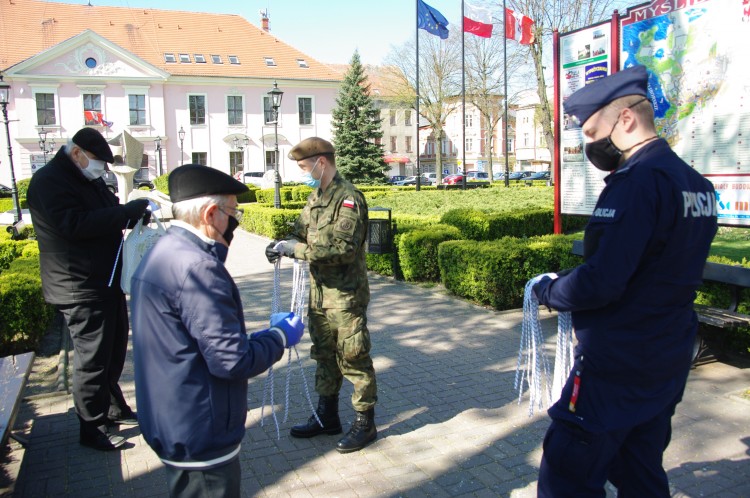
477, 21
519, 27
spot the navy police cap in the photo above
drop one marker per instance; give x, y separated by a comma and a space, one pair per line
195, 180
585, 102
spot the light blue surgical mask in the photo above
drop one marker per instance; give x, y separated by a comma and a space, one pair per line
95, 168
308, 179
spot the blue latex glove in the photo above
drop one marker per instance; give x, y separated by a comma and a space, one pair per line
289, 327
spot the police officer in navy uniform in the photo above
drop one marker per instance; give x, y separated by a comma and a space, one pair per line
645, 247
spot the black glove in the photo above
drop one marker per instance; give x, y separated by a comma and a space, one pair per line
147, 217
135, 209
272, 254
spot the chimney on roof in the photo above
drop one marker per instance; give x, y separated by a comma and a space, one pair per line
264, 19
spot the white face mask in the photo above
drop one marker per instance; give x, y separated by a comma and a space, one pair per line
95, 169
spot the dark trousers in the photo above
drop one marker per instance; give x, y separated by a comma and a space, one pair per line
99, 331
577, 464
219, 482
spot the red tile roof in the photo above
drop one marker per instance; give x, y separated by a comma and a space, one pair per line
27, 27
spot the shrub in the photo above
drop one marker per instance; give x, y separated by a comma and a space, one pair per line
26, 316
475, 224
161, 183
417, 250
495, 272
269, 221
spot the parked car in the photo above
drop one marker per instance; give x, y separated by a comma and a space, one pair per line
429, 178
140, 179
5, 190
539, 175
515, 175
409, 180
498, 176
253, 177
477, 176
452, 179
396, 178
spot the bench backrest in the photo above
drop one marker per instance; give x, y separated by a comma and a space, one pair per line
714, 272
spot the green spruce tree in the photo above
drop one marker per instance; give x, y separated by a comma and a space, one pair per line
356, 127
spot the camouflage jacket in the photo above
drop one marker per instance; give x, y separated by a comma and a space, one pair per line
332, 236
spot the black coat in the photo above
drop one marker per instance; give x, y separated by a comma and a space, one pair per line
79, 225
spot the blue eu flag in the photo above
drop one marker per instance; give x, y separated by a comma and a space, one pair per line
431, 20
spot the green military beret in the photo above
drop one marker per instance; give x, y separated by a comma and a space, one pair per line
309, 147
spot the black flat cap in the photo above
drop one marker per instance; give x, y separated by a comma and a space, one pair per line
585, 102
195, 180
309, 147
92, 141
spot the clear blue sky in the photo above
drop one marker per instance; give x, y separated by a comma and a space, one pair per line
327, 30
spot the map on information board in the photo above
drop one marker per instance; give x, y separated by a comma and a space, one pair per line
695, 52
699, 81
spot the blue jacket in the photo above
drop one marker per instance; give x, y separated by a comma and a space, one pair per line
632, 300
191, 352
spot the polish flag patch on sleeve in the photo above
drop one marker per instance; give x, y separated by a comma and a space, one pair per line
348, 203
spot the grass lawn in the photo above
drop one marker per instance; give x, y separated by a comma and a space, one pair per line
732, 243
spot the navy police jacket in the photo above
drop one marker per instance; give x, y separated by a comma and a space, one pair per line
191, 352
645, 247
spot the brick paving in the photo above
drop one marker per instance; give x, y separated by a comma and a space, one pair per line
448, 417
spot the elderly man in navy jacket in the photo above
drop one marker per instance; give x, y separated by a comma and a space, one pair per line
191, 350
632, 300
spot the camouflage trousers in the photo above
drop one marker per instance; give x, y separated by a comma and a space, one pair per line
341, 348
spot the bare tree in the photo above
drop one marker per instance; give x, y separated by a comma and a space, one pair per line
439, 83
485, 83
550, 16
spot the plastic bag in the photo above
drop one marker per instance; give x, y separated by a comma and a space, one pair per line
139, 240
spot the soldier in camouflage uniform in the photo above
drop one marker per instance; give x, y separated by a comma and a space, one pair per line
331, 234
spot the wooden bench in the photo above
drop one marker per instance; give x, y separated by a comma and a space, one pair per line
736, 278
14, 371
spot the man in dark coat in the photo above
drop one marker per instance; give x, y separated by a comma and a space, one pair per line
645, 247
79, 225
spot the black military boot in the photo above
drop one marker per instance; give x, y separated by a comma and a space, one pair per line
328, 413
362, 433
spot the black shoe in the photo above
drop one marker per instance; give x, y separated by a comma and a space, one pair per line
125, 418
101, 440
328, 413
362, 433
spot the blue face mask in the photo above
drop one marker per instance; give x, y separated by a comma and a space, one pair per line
308, 179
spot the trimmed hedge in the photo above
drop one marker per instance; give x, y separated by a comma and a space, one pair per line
495, 273
269, 221
418, 249
479, 225
26, 316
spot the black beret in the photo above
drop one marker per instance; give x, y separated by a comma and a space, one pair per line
195, 180
585, 102
313, 146
92, 141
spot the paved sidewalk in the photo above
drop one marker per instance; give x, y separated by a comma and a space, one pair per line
448, 417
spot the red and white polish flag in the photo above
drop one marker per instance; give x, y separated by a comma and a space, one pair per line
519, 27
477, 20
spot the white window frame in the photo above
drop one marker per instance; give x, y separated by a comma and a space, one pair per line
242, 114
138, 90
46, 89
312, 109
205, 103
92, 90
263, 110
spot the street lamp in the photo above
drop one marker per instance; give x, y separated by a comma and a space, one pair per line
4, 96
47, 148
181, 134
275, 94
157, 141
